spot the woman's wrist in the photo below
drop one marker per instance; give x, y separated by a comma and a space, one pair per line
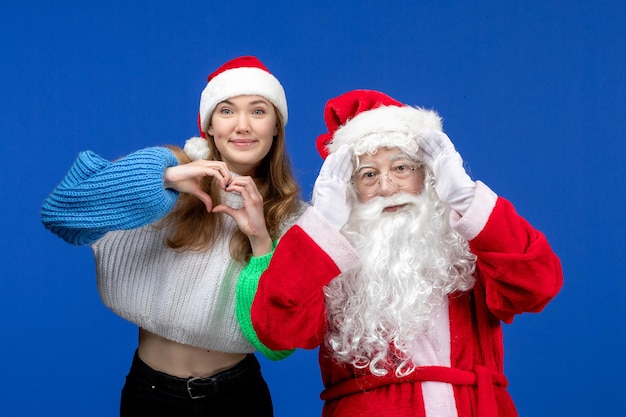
261, 245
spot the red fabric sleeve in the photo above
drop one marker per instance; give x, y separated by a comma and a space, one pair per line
288, 309
516, 265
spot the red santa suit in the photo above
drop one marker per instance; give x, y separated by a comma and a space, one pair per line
460, 371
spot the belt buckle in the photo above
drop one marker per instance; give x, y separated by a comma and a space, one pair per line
189, 388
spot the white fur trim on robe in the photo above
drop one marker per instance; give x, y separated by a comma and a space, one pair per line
329, 239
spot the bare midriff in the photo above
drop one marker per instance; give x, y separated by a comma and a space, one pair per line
183, 361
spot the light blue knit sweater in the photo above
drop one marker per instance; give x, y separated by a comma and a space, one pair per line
97, 196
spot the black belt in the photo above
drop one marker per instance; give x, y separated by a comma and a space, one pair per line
199, 387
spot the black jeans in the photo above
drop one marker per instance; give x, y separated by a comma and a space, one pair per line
239, 391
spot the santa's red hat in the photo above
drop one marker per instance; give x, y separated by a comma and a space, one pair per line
245, 75
369, 119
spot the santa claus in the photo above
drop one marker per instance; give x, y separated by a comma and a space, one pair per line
401, 271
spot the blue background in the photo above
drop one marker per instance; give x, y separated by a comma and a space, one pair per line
532, 93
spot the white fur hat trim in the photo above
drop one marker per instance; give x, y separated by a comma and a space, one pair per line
385, 126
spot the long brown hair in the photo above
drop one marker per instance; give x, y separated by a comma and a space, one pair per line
192, 228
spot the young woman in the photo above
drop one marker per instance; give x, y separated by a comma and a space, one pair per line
171, 229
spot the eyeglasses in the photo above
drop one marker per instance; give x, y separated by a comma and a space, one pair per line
367, 181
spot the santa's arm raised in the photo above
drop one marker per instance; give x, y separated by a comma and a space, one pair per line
280, 298
285, 301
516, 266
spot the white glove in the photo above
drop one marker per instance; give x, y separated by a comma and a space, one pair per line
329, 192
452, 184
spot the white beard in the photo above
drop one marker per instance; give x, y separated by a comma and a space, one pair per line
411, 260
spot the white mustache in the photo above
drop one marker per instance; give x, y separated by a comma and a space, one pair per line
377, 206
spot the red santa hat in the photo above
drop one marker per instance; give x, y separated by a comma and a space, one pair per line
369, 119
245, 75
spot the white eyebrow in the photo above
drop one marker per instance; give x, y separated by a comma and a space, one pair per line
392, 158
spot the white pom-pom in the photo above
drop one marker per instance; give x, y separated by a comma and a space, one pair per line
196, 148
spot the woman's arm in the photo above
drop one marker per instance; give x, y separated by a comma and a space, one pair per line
97, 196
